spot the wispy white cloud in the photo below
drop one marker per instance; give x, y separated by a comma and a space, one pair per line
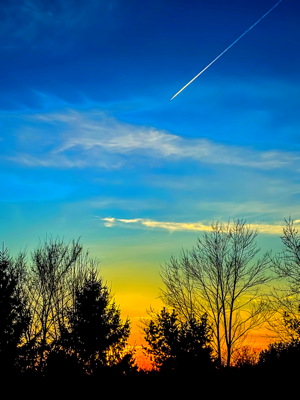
92, 139
184, 226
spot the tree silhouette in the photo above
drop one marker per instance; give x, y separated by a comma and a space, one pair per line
284, 356
96, 333
287, 263
14, 317
245, 357
285, 298
221, 278
292, 323
178, 347
55, 269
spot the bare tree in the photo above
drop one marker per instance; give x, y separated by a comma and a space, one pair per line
222, 278
287, 264
245, 357
51, 284
285, 297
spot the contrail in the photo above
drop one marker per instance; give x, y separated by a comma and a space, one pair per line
227, 48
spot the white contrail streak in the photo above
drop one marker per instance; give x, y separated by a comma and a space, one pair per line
227, 48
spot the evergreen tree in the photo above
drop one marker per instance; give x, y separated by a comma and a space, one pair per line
178, 347
14, 317
97, 335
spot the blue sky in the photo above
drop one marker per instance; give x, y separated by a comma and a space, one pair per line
92, 146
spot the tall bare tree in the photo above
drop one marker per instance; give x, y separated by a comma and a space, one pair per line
222, 278
51, 284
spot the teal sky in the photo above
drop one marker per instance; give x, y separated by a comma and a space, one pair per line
92, 146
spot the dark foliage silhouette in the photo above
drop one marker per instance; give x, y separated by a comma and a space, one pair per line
245, 357
178, 347
14, 317
95, 333
282, 356
61, 364
292, 323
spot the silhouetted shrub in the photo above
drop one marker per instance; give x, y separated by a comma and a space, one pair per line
178, 347
283, 356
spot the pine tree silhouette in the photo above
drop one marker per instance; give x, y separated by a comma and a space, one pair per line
97, 335
13, 316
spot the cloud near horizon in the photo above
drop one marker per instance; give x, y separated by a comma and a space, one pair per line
93, 139
186, 226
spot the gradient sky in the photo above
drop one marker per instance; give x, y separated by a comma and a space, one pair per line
92, 146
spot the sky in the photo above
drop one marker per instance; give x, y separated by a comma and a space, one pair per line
93, 147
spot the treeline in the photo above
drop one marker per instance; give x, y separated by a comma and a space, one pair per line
59, 319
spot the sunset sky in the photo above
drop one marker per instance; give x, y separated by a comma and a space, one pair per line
93, 147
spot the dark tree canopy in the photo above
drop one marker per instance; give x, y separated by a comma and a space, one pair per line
96, 333
178, 347
14, 317
281, 355
245, 357
284, 356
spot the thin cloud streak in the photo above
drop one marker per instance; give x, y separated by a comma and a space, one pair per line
184, 226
